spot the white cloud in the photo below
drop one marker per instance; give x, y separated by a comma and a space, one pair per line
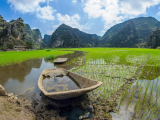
45, 13
25, 6
49, 32
114, 11
158, 13
71, 21
74, 1
103, 31
32, 6
34, 28
48, 2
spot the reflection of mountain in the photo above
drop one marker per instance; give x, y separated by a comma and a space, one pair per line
18, 71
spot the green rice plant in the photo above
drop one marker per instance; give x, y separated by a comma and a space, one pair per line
145, 94
123, 95
144, 113
130, 98
50, 57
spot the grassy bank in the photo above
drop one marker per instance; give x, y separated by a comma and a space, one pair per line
11, 57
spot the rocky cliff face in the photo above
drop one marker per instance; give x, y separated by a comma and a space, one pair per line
154, 39
66, 36
37, 35
12, 32
33, 36
47, 40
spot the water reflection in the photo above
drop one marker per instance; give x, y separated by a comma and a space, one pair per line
17, 78
18, 71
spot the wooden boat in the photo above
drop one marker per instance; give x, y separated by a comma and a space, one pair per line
86, 84
60, 60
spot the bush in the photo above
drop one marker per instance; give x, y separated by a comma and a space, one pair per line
39, 48
50, 57
158, 48
4, 47
29, 45
48, 50
10, 46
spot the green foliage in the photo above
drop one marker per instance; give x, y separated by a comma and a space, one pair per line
29, 45
50, 57
20, 23
15, 33
154, 40
88, 45
48, 50
10, 45
4, 47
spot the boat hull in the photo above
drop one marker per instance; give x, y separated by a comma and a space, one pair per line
86, 84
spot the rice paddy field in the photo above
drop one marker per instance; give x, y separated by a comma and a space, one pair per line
11, 57
131, 78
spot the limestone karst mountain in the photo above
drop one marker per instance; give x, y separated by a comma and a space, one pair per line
66, 36
144, 26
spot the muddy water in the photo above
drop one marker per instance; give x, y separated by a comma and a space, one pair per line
62, 83
17, 78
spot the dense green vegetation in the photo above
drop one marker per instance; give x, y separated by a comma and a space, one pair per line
50, 57
154, 40
11, 57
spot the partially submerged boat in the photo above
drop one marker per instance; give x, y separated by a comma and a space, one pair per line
60, 60
85, 84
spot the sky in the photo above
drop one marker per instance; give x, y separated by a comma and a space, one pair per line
90, 16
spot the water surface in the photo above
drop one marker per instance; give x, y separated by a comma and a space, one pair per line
17, 78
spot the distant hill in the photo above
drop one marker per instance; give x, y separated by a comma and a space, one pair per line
154, 39
144, 26
33, 36
126, 37
66, 36
47, 40
95, 35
